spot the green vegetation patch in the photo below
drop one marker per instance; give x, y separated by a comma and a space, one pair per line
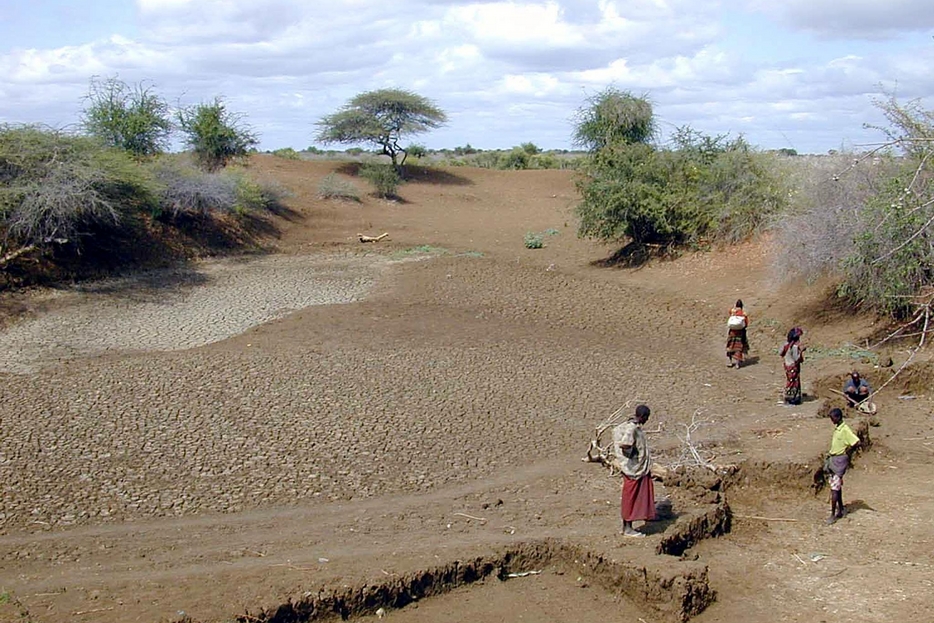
423, 249
846, 351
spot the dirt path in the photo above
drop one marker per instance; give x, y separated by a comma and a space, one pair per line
198, 446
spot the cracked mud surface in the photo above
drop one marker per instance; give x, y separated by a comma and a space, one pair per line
228, 436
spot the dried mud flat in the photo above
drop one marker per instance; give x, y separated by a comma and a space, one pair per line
327, 431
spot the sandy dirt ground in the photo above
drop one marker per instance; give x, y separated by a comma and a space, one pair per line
216, 441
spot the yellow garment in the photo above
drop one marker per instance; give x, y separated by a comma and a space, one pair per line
843, 438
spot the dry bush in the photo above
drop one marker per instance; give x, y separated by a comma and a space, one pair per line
828, 202
333, 187
188, 190
57, 187
869, 222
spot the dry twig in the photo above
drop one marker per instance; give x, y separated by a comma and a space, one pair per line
364, 238
690, 455
80, 612
604, 453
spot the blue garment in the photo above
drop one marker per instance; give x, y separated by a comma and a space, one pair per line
852, 388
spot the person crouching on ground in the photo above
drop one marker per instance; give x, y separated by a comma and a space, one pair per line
632, 450
843, 440
856, 390
736, 343
792, 354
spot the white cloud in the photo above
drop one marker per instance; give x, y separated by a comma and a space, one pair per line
871, 19
536, 85
505, 71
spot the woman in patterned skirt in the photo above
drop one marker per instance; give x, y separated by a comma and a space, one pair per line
792, 356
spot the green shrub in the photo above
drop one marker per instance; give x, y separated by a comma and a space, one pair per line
530, 148
515, 159
215, 135
250, 196
614, 117
288, 153
892, 260
384, 177
131, 118
55, 187
487, 159
708, 190
545, 161
416, 151
534, 240
333, 187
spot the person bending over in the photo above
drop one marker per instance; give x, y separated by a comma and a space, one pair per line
856, 390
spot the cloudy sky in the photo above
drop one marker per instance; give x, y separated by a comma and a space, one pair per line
800, 74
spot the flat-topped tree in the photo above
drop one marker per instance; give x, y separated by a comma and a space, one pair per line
382, 117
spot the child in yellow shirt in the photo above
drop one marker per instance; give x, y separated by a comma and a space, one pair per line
842, 441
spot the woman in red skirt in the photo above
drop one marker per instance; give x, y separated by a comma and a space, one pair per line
632, 451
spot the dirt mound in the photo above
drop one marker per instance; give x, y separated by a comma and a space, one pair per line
671, 590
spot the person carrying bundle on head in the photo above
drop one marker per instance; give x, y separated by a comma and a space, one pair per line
737, 345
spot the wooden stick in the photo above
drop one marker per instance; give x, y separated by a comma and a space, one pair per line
483, 519
15, 253
763, 518
90, 611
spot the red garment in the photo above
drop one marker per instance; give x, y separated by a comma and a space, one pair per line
638, 498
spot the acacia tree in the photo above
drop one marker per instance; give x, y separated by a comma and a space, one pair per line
382, 118
613, 117
129, 117
214, 134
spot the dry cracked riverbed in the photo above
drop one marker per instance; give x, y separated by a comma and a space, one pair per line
168, 310
278, 432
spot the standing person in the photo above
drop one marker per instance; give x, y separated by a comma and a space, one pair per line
632, 450
843, 440
856, 390
792, 357
736, 343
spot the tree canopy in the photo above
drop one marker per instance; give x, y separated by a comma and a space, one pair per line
382, 118
613, 117
705, 189
131, 118
214, 134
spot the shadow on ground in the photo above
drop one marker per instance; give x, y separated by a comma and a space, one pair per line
634, 255
858, 505
414, 174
